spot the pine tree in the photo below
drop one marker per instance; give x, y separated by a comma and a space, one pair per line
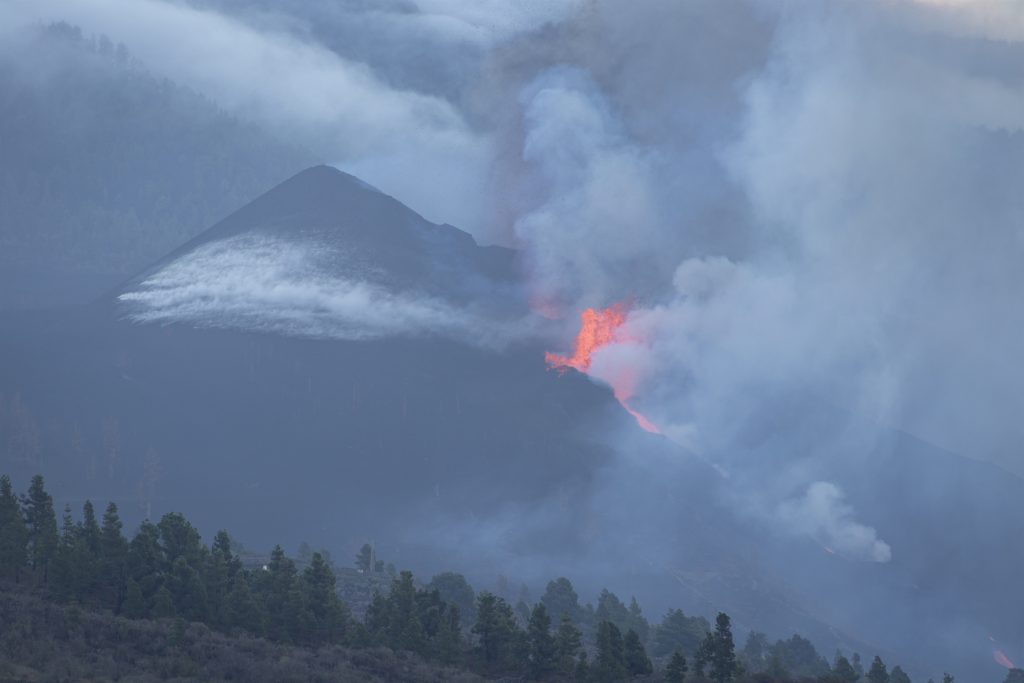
145, 561
755, 652
495, 627
90, 529
610, 660
434, 615
455, 590
298, 621
898, 675
1014, 676
42, 528
582, 671
364, 560
178, 538
702, 655
858, 668
776, 669
14, 534
843, 670
377, 619
543, 648
676, 670
637, 661
678, 632
217, 581
723, 651
637, 622
64, 577
568, 641
519, 649
947, 678
222, 544
223, 567
447, 644
405, 631
188, 591
559, 598
610, 608
134, 605
113, 552
241, 609
274, 587
330, 615
877, 673
163, 604
86, 565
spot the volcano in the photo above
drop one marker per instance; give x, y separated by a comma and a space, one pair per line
326, 365
325, 255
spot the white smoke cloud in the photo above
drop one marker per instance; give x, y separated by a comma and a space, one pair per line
262, 283
729, 333
408, 142
822, 514
490, 21
827, 221
272, 76
595, 189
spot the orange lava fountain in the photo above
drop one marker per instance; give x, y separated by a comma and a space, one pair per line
599, 328
1002, 659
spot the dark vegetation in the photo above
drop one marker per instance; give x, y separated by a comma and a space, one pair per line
82, 601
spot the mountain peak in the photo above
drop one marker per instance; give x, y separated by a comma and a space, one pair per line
314, 242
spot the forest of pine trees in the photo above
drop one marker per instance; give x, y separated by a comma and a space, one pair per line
165, 572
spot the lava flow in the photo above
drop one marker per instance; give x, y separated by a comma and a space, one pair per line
599, 328
1000, 656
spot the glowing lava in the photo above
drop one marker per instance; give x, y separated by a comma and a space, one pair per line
598, 328
1002, 659
1000, 656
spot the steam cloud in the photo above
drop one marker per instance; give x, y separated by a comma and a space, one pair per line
821, 513
258, 282
784, 194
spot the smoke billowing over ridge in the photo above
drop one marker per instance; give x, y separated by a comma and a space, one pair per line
813, 204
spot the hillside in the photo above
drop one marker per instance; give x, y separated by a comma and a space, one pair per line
122, 592
106, 167
43, 641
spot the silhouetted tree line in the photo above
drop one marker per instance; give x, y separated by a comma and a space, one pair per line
165, 571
